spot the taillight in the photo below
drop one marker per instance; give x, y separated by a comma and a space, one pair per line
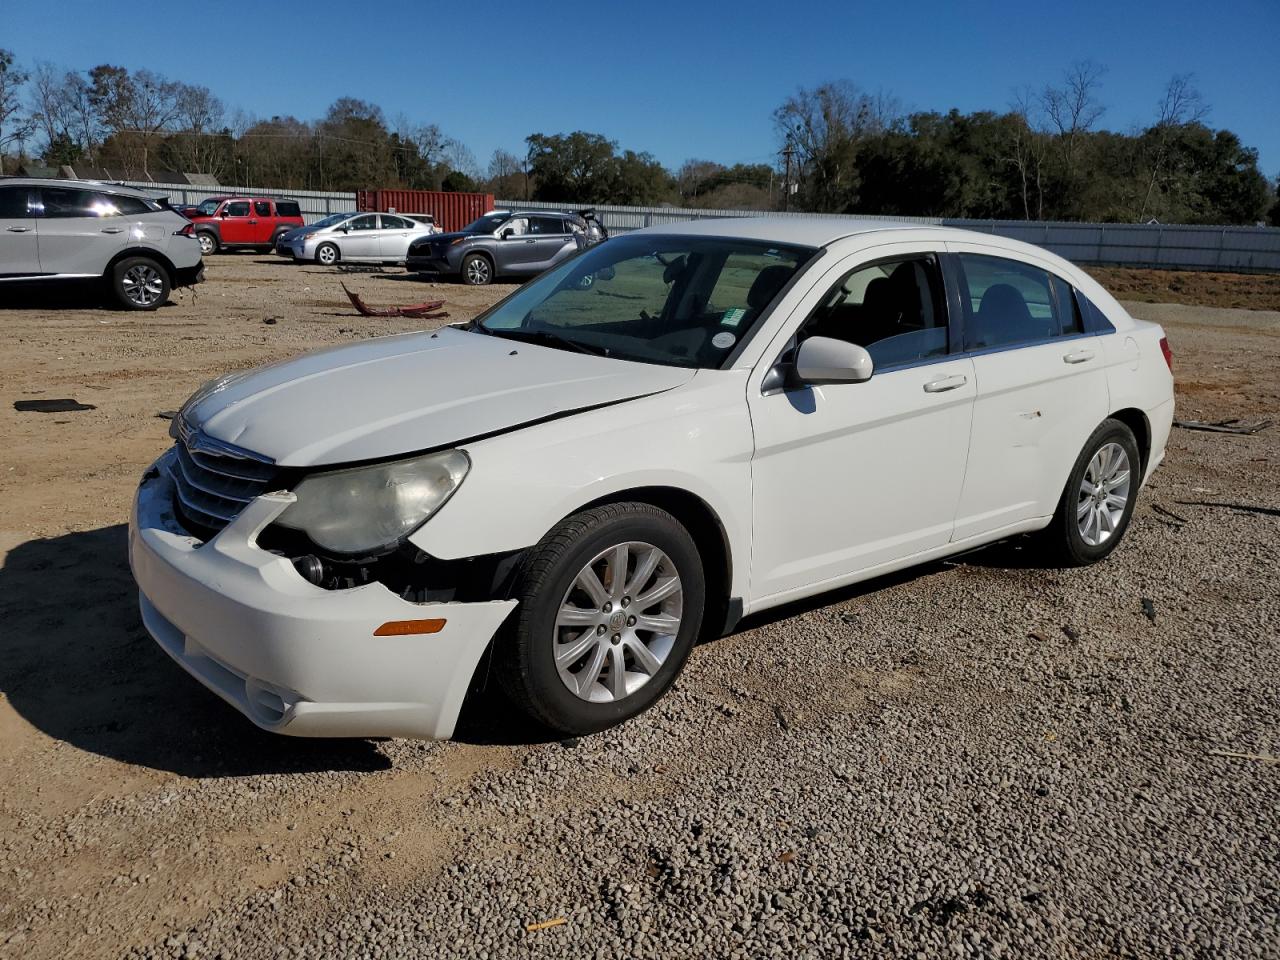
1168, 354
185, 231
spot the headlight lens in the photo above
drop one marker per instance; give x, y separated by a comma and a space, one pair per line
365, 508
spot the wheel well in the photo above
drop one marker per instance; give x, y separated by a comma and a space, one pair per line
147, 252
486, 255
708, 534
1136, 421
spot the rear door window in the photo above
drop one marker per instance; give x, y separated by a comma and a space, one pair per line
367, 222
13, 203
262, 208
61, 203
1007, 302
546, 225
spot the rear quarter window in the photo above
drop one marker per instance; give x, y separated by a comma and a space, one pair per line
288, 208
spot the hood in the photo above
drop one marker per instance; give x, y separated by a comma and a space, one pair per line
398, 395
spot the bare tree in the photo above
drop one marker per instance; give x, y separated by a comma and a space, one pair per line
14, 127
1072, 110
1029, 148
200, 118
1180, 105
826, 124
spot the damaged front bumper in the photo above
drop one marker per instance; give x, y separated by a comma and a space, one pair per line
291, 656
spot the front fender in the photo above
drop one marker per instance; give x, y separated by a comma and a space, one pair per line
696, 438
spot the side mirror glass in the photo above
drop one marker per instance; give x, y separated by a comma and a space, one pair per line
825, 360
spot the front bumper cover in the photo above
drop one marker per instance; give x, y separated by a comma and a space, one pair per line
292, 657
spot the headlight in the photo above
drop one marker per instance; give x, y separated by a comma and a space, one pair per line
365, 508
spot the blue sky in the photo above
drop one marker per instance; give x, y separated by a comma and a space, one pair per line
677, 79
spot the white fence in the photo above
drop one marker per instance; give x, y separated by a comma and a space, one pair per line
1166, 246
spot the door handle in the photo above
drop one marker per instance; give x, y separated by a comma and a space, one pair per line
531, 241
19, 229
1078, 356
946, 383
253, 221
113, 229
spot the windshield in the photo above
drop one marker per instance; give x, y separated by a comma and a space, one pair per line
486, 224
676, 300
329, 221
208, 208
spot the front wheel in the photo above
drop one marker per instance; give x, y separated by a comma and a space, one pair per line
476, 270
140, 283
611, 602
326, 254
1098, 500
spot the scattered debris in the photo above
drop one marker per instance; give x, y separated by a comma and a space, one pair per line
418, 311
781, 717
545, 924
1224, 426
1032, 635
59, 405
270, 321
1261, 757
1239, 507
1072, 634
1168, 513
167, 414
786, 856
1149, 609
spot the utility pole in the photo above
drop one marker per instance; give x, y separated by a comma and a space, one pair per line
787, 153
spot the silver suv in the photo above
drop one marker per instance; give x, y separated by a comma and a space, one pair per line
58, 230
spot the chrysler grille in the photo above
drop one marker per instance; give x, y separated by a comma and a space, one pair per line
213, 487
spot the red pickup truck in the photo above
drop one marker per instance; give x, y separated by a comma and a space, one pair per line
238, 222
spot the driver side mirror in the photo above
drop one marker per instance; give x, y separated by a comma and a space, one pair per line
826, 360
506, 234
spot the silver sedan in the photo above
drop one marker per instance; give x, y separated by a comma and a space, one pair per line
355, 238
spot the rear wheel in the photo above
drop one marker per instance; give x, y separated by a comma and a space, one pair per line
1098, 500
477, 270
611, 602
327, 254
208, 242
140, 283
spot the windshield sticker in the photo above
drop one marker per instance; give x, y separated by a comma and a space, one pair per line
733, 317
724, 340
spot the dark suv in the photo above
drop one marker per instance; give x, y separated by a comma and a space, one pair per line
253, 222
504, 243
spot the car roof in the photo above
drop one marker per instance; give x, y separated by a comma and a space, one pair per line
802, 231
102, 186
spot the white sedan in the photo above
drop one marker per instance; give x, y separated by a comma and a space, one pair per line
674, 429
355, 238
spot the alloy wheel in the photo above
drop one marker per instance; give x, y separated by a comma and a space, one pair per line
206, 243
478, 270
1104, 494
143, 285
618, 622
327, 255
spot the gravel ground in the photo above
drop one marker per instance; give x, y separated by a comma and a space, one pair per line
978, 757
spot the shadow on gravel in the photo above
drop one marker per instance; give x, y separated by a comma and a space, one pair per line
63, 295
77, 664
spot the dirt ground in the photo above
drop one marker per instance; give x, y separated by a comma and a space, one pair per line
1249, 291
135, 807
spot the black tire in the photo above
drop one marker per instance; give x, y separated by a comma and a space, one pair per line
477, 270
140, 283
324, 250
1062, 542
208, 242
525, 652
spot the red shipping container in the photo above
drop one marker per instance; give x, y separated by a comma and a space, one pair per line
452, 211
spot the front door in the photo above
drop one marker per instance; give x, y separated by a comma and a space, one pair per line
849, 477
79, 231
360, 242
19, 252
1042, 388
235, 227
517, 248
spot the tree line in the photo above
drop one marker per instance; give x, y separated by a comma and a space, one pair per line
838, 150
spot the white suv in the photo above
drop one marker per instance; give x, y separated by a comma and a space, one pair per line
73, 229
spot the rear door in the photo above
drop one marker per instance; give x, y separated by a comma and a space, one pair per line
1041, 382
554, 241
262, 222
19, 250
234, 222
394, 234
79, 231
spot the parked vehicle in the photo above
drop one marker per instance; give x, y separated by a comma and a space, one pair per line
53, 231
424, 218
502, 243
731, 415
355, 238
256, 223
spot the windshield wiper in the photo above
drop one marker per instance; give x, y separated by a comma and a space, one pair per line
546, 338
